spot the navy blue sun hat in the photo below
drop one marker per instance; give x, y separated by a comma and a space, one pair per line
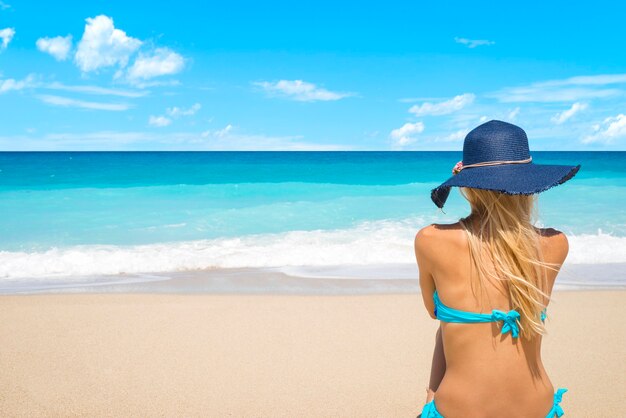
496, 157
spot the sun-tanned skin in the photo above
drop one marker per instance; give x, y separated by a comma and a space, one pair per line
487, 374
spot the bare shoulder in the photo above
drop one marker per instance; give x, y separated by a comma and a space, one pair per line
433, 237
437, 231
554, 244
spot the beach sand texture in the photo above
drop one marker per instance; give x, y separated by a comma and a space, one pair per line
270, 356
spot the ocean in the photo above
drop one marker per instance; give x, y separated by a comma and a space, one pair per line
110, 217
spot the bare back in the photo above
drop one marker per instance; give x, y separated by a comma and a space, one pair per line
488, 374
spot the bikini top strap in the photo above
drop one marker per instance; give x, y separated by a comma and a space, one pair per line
447, 314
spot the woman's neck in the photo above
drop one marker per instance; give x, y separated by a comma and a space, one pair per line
474, 219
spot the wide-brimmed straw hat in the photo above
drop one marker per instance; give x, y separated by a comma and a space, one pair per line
496, 157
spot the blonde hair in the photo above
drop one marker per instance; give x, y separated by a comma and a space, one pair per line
507, 235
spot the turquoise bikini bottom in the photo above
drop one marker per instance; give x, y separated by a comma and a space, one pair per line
430, 411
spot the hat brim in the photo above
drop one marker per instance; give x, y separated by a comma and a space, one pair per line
506, 178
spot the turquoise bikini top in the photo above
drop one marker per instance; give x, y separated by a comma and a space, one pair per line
509, 320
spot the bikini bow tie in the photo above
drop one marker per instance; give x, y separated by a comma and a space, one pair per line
558, 397
509, 321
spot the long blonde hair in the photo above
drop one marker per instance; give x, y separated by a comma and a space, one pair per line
507, 235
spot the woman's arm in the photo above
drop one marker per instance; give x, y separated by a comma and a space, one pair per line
423, 255
424, 247
437, 368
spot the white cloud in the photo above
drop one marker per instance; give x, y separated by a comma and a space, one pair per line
513, 114
443, 108
405, 135
453, 137
146, 84
87, 89
411, 134
612, 128
587, 80
68, 102
300, 90
220, 133
98, 141
548, 95
162, 61
173, 113
228, 139
473, 43
4, 6
571, 89
6, 35
59, 46
159, 121
102, 45
179, 111
31, 81
417, 99
221, 140
561, 117
10, 84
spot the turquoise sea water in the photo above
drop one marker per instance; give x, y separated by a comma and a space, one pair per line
71, 213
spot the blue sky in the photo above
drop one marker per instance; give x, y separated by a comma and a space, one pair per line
308, 75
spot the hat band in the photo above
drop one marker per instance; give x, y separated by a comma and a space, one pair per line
488, 163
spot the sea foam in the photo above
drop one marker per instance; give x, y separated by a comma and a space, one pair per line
367, 244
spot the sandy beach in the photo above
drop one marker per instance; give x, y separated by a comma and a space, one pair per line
269, 355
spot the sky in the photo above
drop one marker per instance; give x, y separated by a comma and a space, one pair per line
308, 75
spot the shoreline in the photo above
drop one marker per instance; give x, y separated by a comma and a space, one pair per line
297, 280
199, 354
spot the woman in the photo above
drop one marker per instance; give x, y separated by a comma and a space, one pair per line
488, 279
